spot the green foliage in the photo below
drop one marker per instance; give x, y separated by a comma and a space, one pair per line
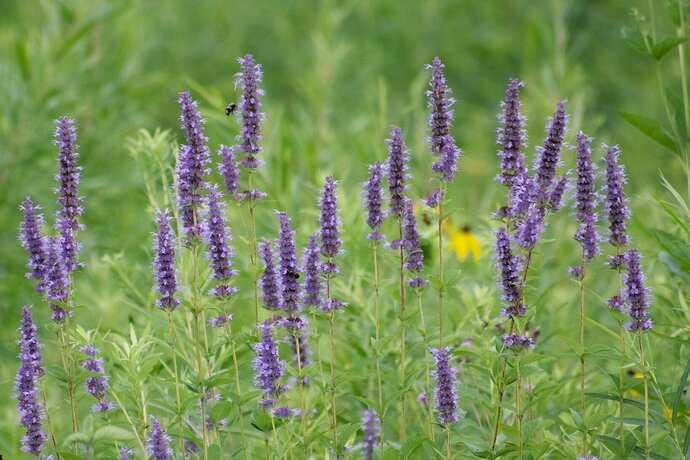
336, 77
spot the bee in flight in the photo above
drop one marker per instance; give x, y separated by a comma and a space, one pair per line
230, 109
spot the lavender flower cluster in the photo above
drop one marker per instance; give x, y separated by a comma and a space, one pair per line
96, 385
532, 196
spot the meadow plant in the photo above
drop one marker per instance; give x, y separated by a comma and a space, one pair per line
291, 408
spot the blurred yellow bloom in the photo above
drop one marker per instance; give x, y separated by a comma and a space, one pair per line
634, 393
462, 241
638, 375
668, 413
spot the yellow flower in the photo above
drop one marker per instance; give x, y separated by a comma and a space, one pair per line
638, 375
462, 241
668, 413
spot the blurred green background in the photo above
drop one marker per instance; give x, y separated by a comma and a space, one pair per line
337, 75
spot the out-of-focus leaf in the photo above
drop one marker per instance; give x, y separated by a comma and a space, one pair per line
651, 128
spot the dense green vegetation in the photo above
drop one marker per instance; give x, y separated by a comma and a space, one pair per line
337, 75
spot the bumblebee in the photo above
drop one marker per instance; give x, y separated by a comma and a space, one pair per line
230, 109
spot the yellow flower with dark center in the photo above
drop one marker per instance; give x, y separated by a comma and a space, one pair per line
462, 241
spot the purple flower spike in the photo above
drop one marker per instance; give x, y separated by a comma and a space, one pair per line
512, 136
285, 412
31, 237
549, 154
269, 280
530, 230
96, 385
289, 270
371, 427
57, 281
445, 394
637, 295
192, 167
220, 320
396, 170
556, 197
229, 168
615, 202
510, 266
31, 411
158, 442
126, 453
312, 272
440, 121
250, 110
586, 200
268, 368
373, 197
435, 198
68, 178
164, 264
330, 242
518, 342
415, 256
220, 253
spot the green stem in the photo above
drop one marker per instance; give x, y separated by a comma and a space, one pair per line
201, 371
50, 427
583, 402
643, 368
402, 427
173, 345
231, 339
427, 390
518, 403
441, 315
331, 334
378, 336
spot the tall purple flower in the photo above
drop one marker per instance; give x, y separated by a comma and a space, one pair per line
57, 281
158, 442
229, 168
330, 241
250, 110
96, 385
637, 295
445, 394
556, 197
220, 253
31, 237
586, 200
192, 167
269, 279
512, 136
312, 272
371, 427
549, 155
615, 202
373, 197
510, 266
440, 121
164, 264
415, 256
531, 228
31, 411
396, 171
68, 180
289, 270
268, 368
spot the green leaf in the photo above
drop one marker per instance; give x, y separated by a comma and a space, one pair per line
660, 49
651, 128
412, 445
113, 434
